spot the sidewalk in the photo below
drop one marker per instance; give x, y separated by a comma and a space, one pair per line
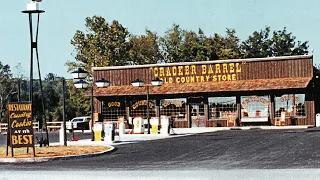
132, 138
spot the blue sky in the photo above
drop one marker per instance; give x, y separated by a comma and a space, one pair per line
63, 17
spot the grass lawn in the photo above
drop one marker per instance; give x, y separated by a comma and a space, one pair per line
51, 151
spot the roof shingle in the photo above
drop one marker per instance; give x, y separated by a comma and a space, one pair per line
225, 86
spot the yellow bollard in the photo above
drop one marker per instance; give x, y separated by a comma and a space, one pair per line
97, 135
154, 129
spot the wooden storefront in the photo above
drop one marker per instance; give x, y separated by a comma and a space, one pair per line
259, 91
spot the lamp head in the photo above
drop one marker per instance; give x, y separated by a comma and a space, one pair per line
137, 83
157, 82
102, 83
79, 74
81, 84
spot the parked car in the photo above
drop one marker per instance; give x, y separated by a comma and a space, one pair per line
79, 123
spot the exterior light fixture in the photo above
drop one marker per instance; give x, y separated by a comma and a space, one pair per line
102, 83
80, 75
139, 83
157, 82
81, 84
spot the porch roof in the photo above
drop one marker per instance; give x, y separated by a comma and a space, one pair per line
200, 87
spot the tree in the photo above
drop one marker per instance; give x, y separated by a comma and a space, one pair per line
229, 46
219, 47
171, 45
7, 88
281, 43
101, 45
55, 108
80, 102
76, 103
257, 45
52, 88
22, 83
193, 46
144, 49
180, 45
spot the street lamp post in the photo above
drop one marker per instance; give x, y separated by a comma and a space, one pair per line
140, 83
80, 75
63, 113
33, 8
19, 91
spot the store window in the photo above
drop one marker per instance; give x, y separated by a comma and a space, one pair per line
138, 108
111, 110
222, 108
175, 108
255, 108
292, 104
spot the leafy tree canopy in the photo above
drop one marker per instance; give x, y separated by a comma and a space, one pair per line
281, 43
144, 49
7, 88
102, 44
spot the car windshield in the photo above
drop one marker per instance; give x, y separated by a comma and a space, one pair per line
77, 120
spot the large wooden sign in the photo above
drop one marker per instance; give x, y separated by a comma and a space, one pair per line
20, 127
198, 73
207, 71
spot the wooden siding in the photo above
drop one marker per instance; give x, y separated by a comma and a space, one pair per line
290, 68
276, 69
268, 76
211, 123
298, 121
217, 123
310, 113
181, 124
97, 107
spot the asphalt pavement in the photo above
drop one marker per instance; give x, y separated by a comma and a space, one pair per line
200, 153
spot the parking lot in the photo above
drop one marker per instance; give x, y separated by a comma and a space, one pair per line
231, 149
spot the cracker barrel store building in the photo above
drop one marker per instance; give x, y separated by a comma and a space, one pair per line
259, 91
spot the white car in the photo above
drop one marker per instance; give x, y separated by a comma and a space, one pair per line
79, 123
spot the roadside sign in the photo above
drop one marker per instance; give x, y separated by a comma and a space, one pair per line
20, 127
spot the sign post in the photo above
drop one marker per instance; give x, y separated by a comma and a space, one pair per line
20, 127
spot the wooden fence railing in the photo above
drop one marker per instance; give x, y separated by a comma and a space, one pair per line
4, 126
52, 126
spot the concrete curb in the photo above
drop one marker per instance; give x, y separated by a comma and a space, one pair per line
46, 159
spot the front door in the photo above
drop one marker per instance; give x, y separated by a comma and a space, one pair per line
197, 115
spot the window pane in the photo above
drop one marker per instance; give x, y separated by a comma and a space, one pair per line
255, 108
176, 108
139, 108
111, 110
292, 104
222, 107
